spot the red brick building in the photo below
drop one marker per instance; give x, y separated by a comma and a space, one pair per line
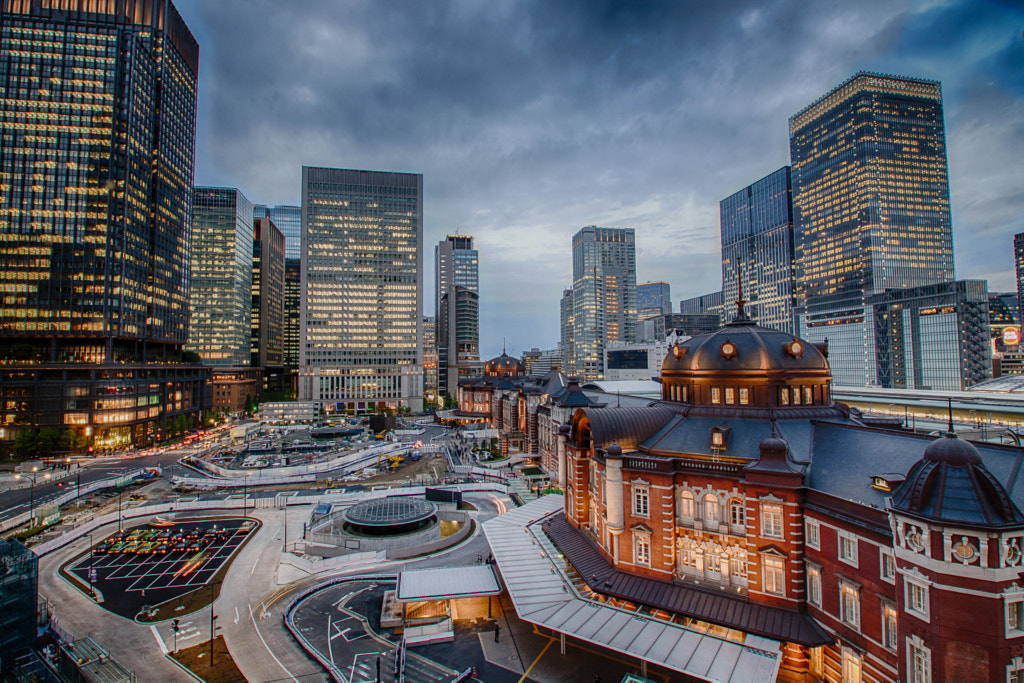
747, 503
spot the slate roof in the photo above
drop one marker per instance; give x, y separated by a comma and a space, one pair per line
712, 606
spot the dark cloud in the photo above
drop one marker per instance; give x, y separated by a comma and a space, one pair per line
530, 120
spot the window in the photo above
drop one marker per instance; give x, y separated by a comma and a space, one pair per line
848, 548
814, 585
737, 512
849, 604
771, 520
744, 396
738, 567
641, 503
851, 666
916, 598
796, 396
919, 661
774, 575
784, 396
688, 558
1015, 670
817, 660
812, 533
712, 562
887, 565
1015, 616
889, 626
716, 395
642, 550
710, 509
686, 505
808, 397
730, 395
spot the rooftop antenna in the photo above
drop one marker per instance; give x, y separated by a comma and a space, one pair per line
950, 433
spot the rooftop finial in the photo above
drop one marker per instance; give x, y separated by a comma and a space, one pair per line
950, 433
740, 301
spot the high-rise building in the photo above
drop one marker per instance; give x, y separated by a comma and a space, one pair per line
362, 284
870, 209
706, 304
653, 299
604, 294
1018, 260
221, 277
268, 302
288, 220
98, 101
430, 392
457, 311
566, 346
757, 245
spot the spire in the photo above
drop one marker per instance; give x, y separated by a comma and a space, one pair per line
741, 317
950, 433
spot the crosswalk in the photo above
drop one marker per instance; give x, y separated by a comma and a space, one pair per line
417, 669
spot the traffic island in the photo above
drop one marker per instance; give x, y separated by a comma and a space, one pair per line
220, 668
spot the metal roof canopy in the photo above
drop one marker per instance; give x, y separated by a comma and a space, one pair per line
447, 583
530, 566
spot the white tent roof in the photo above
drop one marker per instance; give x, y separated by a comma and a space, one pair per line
447, 583
542, 595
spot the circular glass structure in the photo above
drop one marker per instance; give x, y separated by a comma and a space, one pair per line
389, 516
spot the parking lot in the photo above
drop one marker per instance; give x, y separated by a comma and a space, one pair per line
149, 571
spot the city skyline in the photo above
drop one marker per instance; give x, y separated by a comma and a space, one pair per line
544, 119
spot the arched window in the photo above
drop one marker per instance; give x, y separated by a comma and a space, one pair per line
710, 508
686, 505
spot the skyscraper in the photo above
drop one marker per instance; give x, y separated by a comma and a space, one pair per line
430, 392
566, 347
362, 283
871, 209
98, 102
604, 294
288, 220
757, 241
221, 277
268, 302
653, 299
457, 311
1018, 260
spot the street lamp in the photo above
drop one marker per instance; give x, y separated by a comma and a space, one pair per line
32, 490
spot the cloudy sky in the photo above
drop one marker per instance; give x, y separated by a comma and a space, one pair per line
532, 118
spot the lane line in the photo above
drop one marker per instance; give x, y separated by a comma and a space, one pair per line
256, 626
527, 672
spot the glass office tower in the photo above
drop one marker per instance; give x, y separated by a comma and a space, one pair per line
871, 211
604, 294
457, 311
267, 348
362, 282
653, 299
757, 241
98, 103
221, 277
288, 220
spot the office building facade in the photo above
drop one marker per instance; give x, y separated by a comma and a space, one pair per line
457, 311
97, 163
1018, 260
362, 288
267, 350
706, 304
430, 392
566, 346
757, 248
221, 277
604, 294
871, 210
288, 220
653, 299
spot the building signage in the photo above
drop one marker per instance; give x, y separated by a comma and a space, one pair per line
1011, 336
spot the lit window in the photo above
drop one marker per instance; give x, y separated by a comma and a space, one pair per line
642, 550
771, 520
812, 533
919, 661
851, 666
738, 567
889, 617
796, 396
849, 604
814, 585
712, 562
710, 508
808, 397
730, 395
716, 395
774, 575
686, 505
784, 396
641, 502
744, 396
737, 512
848, 548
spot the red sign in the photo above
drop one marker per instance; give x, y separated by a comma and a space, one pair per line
1011, 336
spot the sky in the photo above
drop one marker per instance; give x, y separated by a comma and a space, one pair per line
530, 119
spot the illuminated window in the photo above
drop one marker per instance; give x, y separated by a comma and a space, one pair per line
774, 575
771, 520
744, 396
711, 508
889, 622
814, 584
715, 395
849, 604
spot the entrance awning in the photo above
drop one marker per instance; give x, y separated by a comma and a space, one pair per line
447, 583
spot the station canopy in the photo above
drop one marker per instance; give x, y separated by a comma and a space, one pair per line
447, 583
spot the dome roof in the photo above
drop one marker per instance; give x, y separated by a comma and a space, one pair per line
504, 365
743, 346
950, 483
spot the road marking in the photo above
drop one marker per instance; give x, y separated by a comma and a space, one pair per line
330, 650
527, 672
251, 571
236, 614
159, 640
256, 626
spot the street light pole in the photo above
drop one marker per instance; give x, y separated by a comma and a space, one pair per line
32, 491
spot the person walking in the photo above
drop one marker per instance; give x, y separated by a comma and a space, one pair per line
497, 631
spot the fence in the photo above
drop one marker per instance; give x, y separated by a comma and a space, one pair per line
18, 520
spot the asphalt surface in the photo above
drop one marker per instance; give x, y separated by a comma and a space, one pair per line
127, 582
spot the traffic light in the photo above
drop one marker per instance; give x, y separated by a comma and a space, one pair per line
174, 625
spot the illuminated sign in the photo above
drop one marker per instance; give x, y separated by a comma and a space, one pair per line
1011, 336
